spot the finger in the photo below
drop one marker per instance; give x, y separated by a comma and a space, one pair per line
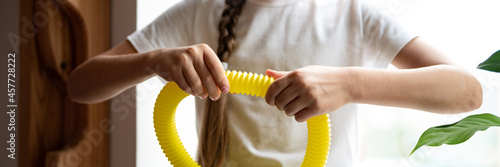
275, 74
305, 114
275, 89
296, 106
215, 67
194, 81
180, 80
286, 96
207, 80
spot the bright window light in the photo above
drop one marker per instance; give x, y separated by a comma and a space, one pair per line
149, 153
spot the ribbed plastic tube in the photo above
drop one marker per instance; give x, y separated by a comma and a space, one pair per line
318, 140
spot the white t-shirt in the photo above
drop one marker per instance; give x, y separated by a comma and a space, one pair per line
283, 35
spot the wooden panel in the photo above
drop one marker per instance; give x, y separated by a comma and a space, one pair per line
54, 130
40, 116
96, 14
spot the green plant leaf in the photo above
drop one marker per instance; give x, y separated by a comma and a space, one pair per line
492, 64
458, 132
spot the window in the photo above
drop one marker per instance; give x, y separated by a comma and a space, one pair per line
464, 31
467, 31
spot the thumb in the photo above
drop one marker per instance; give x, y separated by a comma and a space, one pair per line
275, 74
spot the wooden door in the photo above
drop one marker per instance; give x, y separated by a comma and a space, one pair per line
55, 131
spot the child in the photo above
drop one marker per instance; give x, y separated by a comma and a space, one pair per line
330, 55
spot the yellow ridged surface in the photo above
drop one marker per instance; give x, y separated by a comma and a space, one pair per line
318, 140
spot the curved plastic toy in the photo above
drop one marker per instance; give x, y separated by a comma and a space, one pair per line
318, 141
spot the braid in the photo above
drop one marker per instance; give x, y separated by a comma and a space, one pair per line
213, 139
227, 25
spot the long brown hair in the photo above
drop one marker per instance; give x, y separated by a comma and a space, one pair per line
213, 139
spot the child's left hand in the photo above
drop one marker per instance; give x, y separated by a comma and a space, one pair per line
309, 91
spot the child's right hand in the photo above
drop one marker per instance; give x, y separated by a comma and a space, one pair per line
196, 69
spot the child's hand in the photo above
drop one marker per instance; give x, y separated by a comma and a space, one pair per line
309, 91
196, 69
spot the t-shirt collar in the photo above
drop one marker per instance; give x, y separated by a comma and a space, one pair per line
273, 2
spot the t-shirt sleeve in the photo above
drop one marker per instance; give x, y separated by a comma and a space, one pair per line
172, 28
383, 37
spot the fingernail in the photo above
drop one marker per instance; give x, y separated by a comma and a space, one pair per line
225, 90
214, 99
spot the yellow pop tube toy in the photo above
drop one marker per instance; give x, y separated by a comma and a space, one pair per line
318, 140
